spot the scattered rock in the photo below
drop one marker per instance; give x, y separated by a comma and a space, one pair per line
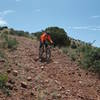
32, 93
77, 69
68, 90
80, 96
74, 81
58, 95
29, 78
69, 73
11, 81
79, 74
2, 60
98, 90
15, 88
89, 85
73, 73
80, 82
36, 59
42, 67
66, 93
9, 70
27, 69
61, 88
9, 86
24, 84
86, 73
57, 82
46, 81
15, 72
55, 62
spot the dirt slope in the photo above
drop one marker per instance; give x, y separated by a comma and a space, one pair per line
61, 79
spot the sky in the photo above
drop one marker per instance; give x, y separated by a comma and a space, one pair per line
79, 18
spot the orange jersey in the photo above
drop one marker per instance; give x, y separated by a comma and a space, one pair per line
45, 37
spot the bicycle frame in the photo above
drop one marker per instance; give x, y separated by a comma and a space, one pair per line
45, 50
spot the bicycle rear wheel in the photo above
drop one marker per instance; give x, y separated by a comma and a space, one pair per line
41, 50
48, 53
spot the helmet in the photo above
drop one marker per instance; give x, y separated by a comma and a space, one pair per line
48, 32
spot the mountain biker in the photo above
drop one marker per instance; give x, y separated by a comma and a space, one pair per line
45, 37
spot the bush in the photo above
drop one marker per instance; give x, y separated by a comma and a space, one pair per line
2, 54
22, 33
12, 32
91, 58
11, 43
73, 56
73, 45
15, 32
3, 81
19, 33
65, 50
4, 27
8, 42
59, 36
37, 34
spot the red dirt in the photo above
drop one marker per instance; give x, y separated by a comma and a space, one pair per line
61, 79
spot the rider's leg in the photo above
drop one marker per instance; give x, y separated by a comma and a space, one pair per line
41, 44
46, 44
40, 50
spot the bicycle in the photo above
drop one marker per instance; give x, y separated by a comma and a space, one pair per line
47, 51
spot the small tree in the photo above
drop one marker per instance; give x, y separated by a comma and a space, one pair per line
59, 36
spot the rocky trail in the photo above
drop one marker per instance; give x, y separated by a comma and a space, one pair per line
61, 79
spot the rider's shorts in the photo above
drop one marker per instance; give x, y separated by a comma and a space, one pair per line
43, 43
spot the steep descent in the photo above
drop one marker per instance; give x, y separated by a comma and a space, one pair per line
61, 79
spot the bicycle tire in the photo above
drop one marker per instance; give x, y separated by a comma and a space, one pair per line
41, 50
48, 54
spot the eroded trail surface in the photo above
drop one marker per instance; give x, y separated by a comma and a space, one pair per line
61, 79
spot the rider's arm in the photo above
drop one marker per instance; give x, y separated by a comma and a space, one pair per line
49, 38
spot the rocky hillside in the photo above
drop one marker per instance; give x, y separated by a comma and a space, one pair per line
61, 79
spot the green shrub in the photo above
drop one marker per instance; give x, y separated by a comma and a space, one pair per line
1, 54
72, 54
73, 45
37, 34
86, 59
91, 58
59, 36
8, 42
3, 36
22, 33
12, 31
3, 81
19, 33
12, 43
3, 27
65, 50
